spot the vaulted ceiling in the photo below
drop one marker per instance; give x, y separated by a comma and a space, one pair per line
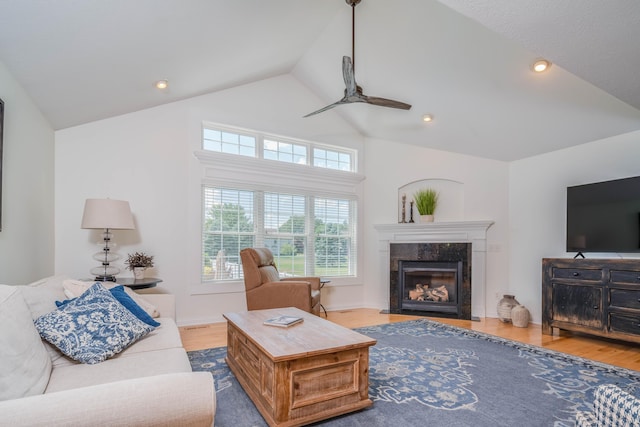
466, 63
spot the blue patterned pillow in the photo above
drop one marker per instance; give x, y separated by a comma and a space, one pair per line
92, 327
124, 299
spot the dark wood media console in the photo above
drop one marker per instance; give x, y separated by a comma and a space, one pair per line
593, 296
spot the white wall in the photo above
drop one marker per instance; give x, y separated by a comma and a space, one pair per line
147, 158
537, 205
389, 166
26, 239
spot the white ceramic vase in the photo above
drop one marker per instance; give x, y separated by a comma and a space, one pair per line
520, 316
138, 272
426, 218
504, 307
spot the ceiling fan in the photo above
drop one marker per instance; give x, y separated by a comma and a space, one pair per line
353, 92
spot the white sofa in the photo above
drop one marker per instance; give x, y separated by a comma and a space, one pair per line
149, 384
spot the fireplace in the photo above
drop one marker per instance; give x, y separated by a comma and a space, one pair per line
464, 241
431, 279
430, 286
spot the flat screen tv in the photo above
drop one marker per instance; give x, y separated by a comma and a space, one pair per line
604, 216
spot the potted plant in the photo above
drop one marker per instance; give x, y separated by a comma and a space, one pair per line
138, 262
426, 203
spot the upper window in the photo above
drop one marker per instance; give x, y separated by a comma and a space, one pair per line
285, 152
332, 159
269, 147
228, 142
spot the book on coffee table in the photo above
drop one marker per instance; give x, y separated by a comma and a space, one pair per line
283, 321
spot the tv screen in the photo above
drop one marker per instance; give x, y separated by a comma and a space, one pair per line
604, 216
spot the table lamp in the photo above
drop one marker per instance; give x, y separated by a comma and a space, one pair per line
106, 214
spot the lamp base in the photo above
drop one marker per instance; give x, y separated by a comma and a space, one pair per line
109, 278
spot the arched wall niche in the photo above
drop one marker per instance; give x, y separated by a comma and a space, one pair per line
450, 199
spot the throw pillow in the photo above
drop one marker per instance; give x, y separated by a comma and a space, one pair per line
40, 296
25, 366
75, 288
124, 299
92, 327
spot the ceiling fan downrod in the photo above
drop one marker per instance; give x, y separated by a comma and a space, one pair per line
353, 4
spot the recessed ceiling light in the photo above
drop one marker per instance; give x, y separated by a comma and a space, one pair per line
427, 118
162, 84
541, 65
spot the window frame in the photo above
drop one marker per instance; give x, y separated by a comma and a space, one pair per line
260, 138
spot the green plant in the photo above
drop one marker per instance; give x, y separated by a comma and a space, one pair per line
426, 201
139, 259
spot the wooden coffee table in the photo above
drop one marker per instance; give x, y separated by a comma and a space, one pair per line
301, 374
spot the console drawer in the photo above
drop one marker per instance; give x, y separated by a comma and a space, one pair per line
577, 273
624, 298
628, 277
625, 323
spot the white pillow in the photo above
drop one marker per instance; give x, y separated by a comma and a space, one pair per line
41, 297
26, 366
75, 288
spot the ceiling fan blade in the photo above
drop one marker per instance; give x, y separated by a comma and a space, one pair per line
328, 107
383, 102
348, 76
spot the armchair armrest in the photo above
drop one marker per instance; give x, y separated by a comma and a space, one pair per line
186, 398
315, 281
280, 294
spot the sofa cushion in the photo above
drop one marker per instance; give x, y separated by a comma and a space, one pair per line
92, 327
137, 365
167, 335
41, 296
26, 365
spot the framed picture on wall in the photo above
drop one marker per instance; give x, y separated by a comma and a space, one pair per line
1, 128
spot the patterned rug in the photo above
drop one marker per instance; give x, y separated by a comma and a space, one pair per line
426, 373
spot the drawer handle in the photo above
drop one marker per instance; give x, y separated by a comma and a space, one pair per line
576, 274
595, 307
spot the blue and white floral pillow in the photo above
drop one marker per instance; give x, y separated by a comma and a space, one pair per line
92, 327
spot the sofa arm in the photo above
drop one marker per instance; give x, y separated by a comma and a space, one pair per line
185, 399
164, 303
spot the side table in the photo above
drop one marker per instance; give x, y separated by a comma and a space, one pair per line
130, 282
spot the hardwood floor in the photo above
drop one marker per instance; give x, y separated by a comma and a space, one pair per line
618, 353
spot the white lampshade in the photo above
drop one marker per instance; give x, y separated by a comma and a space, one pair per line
107, 213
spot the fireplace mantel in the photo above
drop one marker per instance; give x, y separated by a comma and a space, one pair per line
474, 232
442, 232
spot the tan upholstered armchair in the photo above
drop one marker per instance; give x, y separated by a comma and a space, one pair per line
265, 289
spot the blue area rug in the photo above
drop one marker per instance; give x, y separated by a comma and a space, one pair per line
426, 373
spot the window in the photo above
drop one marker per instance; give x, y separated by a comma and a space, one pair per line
228, 142
297, 198
305, 241
285, 152
227, 228
223, 139
331, 159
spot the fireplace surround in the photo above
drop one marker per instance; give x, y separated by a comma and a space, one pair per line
430, 287
445, 234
